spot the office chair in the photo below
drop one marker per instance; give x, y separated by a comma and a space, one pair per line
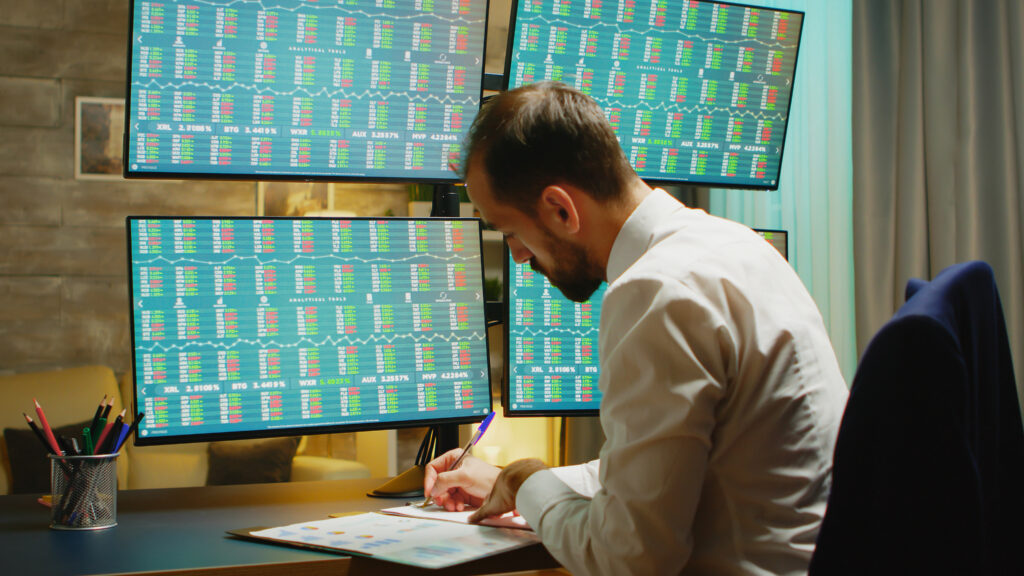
928, 470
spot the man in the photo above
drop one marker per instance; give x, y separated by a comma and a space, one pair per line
721, 392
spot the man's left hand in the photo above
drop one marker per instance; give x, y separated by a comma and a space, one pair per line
502, 498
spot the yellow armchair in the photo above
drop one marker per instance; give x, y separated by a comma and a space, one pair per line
67, 396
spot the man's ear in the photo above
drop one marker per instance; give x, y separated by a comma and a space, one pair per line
558, 210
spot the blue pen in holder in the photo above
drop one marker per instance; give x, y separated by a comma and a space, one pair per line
83, 491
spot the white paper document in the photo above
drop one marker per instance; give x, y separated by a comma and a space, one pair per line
402, 539
435, 512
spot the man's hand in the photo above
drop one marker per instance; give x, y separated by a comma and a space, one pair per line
456, 489
502, 498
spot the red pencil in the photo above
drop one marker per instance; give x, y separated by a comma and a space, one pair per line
46, 429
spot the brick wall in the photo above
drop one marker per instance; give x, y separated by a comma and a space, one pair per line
63, 294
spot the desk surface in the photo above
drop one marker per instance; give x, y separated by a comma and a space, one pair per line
181, 531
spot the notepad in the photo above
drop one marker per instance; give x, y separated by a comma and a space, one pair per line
435, 512
419, 542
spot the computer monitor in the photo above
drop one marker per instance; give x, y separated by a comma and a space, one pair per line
777, 238
373, 90
550, 355
255, 327
698, 92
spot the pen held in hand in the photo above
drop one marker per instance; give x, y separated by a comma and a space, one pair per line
476, 438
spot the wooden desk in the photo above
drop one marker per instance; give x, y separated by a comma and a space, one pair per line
181, 531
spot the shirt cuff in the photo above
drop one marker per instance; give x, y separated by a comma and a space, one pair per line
541, 492
583, 478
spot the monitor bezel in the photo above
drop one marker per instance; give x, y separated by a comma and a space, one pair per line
295, 430
411, 177
507, 80
785, 233
506, 355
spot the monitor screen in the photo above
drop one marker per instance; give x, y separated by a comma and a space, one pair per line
551, 356
302, 89
777, 238
247, 327
697, 92
551, 360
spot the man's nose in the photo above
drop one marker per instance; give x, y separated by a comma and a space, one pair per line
520, 253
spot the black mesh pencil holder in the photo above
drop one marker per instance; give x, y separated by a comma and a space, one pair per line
83, 491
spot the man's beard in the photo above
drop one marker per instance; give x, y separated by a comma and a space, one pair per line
577, 276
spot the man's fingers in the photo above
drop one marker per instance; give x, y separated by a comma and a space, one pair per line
429, 478
487, 509
456, 500
465, 486
438, 466
490, 508
478, 516
499, 501
502, 497
446, 481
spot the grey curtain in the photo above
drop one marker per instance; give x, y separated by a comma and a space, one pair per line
938, 150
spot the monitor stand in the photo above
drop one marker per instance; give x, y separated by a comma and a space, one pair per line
409, 484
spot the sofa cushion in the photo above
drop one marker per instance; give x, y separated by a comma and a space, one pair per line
30, 468
251, 461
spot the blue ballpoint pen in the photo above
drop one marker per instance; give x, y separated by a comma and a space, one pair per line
472, 441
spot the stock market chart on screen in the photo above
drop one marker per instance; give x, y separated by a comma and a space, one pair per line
697, 91
244, 326
551, 360
380, 89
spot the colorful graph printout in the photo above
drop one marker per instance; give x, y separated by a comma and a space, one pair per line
413, 541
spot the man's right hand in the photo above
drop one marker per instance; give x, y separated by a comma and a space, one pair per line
458, 489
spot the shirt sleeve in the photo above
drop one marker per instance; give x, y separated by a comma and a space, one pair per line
583, 478
662, 369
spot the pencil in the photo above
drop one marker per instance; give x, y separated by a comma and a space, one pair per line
37, 432
99, 412
46, 445
110, 434
47, 431
106, 431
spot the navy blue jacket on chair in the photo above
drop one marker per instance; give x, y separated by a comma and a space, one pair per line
928, 471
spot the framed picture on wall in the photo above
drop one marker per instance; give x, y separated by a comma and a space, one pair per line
99, 131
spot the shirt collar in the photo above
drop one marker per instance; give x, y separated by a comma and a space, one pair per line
638, 233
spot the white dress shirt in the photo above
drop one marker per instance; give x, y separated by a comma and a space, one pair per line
722, 399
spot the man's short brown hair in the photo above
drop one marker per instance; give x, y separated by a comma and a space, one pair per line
543, 134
